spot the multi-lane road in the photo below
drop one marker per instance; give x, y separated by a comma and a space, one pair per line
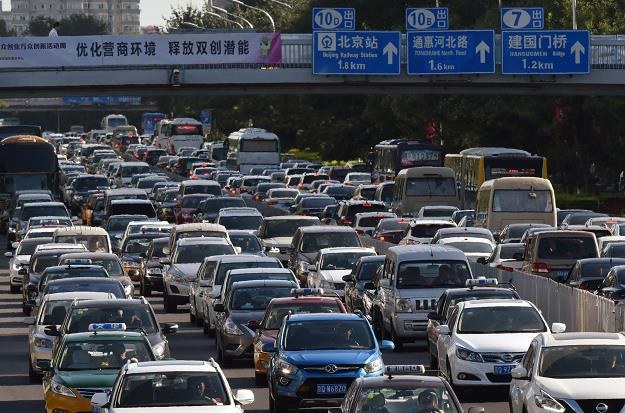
18, 395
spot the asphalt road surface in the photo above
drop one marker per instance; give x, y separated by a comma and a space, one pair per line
18, 395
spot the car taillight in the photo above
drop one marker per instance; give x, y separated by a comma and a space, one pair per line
382, 238
193, 177
345, 220
540, 267
504, 268
360, 232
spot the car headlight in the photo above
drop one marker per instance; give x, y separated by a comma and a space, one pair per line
159, 350
131, 264
155, 270
374, 365
232, 329
468, 355
545, 401
403, 305
326, 284
286, 368
42, 342
58, 388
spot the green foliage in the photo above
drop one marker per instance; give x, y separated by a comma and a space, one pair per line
40, 26
4, 31
74, 25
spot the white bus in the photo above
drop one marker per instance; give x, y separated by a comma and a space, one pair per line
110, 122
252, 148
423, 186
177, 133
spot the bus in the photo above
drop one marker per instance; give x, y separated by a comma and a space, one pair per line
149, 121
110, 122
391, 156
474, 166
216, 150
423, 186
515, 200
252, 148
178, 133
27, 162
15, 130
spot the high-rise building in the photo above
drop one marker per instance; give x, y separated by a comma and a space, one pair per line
121, 16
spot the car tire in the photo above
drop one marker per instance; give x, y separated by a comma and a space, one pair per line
399, 344
145, 291
25, 309
33, 376
14, 289
199, 321
433, 360
275, 406
378, 325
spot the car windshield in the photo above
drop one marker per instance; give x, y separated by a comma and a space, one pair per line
256, 298
250, 222
172, 389
507, 251
314, 242
136, 317
94, 243
203, 189
582, 362
432, 274
472, 247
317, 202
500, 320
129, 171
567, 248
39, 211
225, 267
328, 335
120, 223
194, 234
368, 269
342, 260
114, 288
249, 244
188, 254
191, 201
102, 354
406, 397
516, 200
596, 269
137, 245
427, 230
430, 186
85, 184
438, 212
45, 261
27, 248
143, 208
283, 193
279, 311
54, 312
287, 227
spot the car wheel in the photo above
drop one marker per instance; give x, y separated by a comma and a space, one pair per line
224, 360
33, 376
14, 289
145, 291
25, 309
205, 327
399, 344
199, 321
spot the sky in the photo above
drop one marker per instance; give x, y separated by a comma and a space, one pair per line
152, 11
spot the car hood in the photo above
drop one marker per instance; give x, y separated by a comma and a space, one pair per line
496, 343
21, 259
187, 409
424, 293
323, 357
244, 317
185, 269
596, 388
88, 378
131, 257
335, 276
278, 241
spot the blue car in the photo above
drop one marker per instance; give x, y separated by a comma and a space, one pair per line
316, 358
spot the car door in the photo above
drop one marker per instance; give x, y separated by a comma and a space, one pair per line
521, 390
386, 293
444, 341
433, 323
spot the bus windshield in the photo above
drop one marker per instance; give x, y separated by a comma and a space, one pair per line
259, 145
430, 186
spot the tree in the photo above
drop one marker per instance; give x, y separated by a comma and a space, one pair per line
40, 26
4, 30
80, 25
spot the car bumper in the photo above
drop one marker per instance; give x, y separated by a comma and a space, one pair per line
178, 293
476, 374
261, 361
38, 356
410, 325
63, 404
15, 279
155, 282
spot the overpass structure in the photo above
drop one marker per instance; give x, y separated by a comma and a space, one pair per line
293, 75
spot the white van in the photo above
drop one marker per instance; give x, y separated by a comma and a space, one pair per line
177, 133
96, 239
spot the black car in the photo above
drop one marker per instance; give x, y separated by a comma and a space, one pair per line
514, 232
589, 273
133, 246
613, 286
313, 205
151, 268
358, 284
209, 208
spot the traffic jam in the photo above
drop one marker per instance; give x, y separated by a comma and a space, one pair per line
310, 274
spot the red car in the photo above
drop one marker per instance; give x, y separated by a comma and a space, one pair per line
183, 211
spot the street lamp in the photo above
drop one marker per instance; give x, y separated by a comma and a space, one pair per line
231, 14
574, 9
290, 7
240, 3
219, 16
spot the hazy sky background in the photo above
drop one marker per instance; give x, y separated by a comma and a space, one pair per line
152, 11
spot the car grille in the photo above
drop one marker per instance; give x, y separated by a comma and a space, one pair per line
87, 392
308, 389
590, 405
339, 369
498, 378
425, 304
502, 358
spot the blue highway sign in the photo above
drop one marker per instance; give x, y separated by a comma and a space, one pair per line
451, 52
553, 52
340, 18
356, 53
435, 18
522, 18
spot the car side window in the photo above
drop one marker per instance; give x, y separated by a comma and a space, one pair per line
528, 359
209, 270
575, 273
453, 317
391, 270
440, 306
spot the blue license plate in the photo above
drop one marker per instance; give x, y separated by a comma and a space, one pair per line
504, 370
561, 274
331, 388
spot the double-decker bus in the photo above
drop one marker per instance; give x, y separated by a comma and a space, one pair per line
149, 121
474, 166
391, 156
27, 162
252, 148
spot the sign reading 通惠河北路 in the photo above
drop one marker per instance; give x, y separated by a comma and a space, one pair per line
80, 51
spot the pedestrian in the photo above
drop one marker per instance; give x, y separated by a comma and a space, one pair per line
54, 32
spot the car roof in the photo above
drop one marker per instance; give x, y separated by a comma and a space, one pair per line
583, 339
201, 240
105, 335
263, 283
495, 303
426, 252
344, 250
110, 303
306, 299
39, 204
170, 365
321, 229
429, 221
325, 316
77, 295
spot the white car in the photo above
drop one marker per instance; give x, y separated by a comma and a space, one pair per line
171, 386
485, 339
473, 247
366, 222
332, 264
503, 257
423, 230
52, 311
21, 257
603, 242
570, 372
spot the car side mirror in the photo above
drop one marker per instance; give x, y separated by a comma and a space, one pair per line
166, 250
219, 308
99, 401
45, 365
52, 331
443, 330
369, 286
433, 315
386, 345
244, 397
517, 256
349, 278
481, 260
237, 250
164, 260
269, 348
169, 328
519, 372
558, 328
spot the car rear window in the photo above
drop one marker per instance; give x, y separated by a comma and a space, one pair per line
567, 248
314, 242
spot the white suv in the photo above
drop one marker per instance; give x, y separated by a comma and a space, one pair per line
485, 339
172, 385
572, 372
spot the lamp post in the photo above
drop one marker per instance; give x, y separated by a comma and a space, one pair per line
574, 12
240, 3
290, 7
227, 13
219, 16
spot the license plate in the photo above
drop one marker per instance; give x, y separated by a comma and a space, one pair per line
331, 388
95, 409
504, 370
561, 273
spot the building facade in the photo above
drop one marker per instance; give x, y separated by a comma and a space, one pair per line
121, 16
